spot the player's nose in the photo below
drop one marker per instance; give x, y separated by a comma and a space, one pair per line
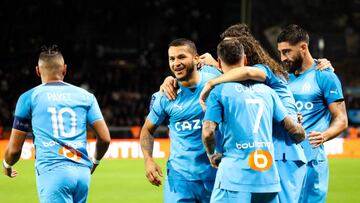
283, 58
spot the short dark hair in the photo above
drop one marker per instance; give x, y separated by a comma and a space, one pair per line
183, 42
293, 34
237, 30
51, 57
49, 51
230, 51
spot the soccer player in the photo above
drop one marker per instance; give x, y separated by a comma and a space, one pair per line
247, 171
289, 156
58, 113
190, 177
319, 98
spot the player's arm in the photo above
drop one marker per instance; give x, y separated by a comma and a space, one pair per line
21, 125
339, 123
207, 59
209, 141
295, 130
233, 75
152, 170
103, 140
212, 117
13, 152
169, 87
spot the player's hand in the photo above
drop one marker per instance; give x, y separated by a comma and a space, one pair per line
9, 172
169, 87
153, 172
207, 59
204, 94
93, 168
215, 160
316, 138
300, 118
324, 64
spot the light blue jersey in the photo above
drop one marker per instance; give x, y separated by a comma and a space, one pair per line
314, 91
59, 113
210, 69
286, 148
246, 111
290, 157
188, 159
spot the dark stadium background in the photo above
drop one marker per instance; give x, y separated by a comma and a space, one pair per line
118, 49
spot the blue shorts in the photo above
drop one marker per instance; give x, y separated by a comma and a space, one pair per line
292, 177
227, 196
316, 183
187, 191
63, 184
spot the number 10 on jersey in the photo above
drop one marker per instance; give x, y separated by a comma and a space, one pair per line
57, 121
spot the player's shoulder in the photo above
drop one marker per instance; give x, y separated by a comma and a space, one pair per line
210, 70
260, 65
79, 90
158, 99
28, 94
326, 76
325, 73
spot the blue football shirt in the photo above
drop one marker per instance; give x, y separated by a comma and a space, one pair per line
314, 91
59, 113
188, 159
246, 112
286, 148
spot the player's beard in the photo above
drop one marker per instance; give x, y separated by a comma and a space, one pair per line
294, 65
188, 73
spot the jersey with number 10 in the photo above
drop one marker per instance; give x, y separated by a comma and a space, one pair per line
59, 113
246, 112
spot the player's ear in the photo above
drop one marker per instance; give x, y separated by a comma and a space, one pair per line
37, 68
64, 70
219, 63
303, 46
245, 60
196, 59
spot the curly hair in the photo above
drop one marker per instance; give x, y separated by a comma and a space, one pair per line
255, 54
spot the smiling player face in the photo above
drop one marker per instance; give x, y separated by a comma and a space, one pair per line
182, 62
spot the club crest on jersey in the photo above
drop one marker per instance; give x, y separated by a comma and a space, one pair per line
306, 88
153, 98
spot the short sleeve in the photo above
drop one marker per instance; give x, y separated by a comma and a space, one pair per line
23, 106
22, 117
213, 107
266, 70
94, 113
157, 112
280, 112
330, 86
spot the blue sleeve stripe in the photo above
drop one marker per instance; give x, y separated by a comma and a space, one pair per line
22, 124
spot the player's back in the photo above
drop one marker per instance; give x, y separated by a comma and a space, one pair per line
59, 114
286, 148
248, 151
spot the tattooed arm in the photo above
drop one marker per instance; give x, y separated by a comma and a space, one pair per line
152, 170
209, 141
296, 131
338, 124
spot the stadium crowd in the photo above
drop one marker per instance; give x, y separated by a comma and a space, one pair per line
124, 64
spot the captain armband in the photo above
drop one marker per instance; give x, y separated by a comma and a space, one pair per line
22, 124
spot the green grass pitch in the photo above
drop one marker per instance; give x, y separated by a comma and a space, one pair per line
124, 181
